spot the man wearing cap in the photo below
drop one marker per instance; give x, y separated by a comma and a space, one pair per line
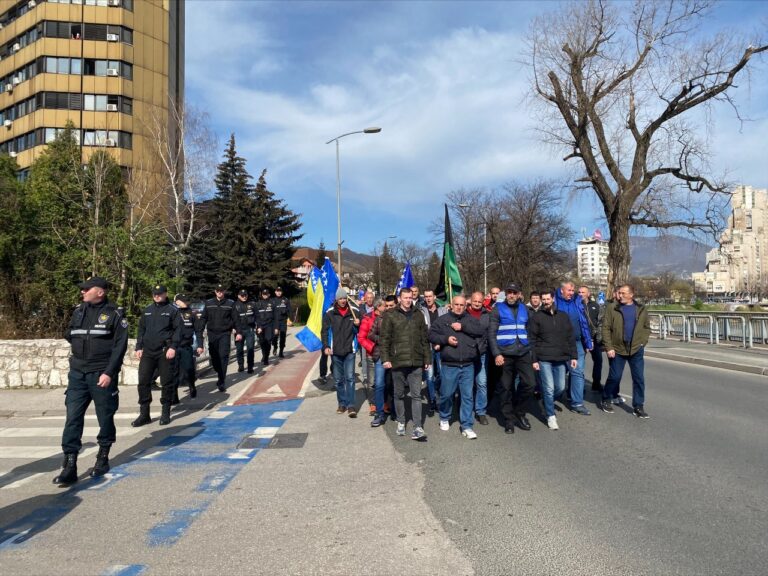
511, 350
246, 314
190, 345
282, 306
339, 333
220, 319
156, 343
266, 324
98, 334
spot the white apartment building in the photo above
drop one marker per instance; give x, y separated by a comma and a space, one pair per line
738, 267
592, 261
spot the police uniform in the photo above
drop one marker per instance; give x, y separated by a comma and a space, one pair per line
191, 338
266, 324
246, 314
282, 307
159, 332
98, 334
220, 319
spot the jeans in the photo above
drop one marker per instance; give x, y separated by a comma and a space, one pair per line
552, 383
597, 364
248, 341
344, 374
616, 369
463, 378
410, 377
379, 386
81, 389
481, 384
433, 377
577, 377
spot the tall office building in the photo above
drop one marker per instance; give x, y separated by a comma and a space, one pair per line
109, 66
592, 260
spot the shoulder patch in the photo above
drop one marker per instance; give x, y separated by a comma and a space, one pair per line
124, 323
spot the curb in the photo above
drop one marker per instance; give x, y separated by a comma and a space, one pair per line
758, 370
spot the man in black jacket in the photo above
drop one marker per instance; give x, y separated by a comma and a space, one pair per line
190, 345
595, 319
339, 333
245, 308
456, 333
220, 319
266, 324
282, 306
156, 343
554, 348
98, 334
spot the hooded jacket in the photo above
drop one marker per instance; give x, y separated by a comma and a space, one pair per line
578, 315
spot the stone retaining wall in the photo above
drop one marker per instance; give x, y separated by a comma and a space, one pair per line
45, 363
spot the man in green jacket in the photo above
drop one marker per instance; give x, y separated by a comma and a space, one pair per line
626, 330
405, 350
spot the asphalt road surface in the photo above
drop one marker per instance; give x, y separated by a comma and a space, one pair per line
685, 492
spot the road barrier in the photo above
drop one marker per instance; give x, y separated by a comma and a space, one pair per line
748, 330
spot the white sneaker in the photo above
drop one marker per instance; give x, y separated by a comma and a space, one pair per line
469, 434
445, 425
552, 423
400, 429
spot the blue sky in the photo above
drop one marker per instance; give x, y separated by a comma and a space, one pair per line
444, 81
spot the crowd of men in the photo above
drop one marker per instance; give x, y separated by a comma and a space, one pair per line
169, 339
479, 344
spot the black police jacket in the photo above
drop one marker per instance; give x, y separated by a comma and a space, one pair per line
220, 316
283, 307
191, 326
266, 317
246, 313
98, 334
159, 328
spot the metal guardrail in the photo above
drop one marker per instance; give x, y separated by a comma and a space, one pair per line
748, 330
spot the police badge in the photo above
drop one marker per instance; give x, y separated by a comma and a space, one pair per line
124, 323
103, 318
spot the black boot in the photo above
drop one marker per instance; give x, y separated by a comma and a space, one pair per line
165, 416
175, 399
250, 369
221, 386
102, 462
68, 474
281, 353
143, 416
241, 368
192, 391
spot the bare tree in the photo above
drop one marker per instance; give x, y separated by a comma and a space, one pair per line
619, 86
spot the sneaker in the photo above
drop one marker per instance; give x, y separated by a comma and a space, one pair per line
469, 434
606, 406
482, 419
341, 410
445, 425
639, 412
419, 434
619, 400
552, 423
581, 409
400, 429
351, 412
377, 421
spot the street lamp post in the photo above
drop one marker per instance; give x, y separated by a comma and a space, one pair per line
485, 251
372, 130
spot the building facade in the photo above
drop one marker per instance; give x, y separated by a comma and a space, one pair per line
592, 261
738, 268
111, 67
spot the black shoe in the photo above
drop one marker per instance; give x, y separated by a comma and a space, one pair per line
522, 422
68, 474
281, 354
606, 406
175, 400
241, 368
165, 416
192, 391
143, 417
430, 410
639, 412
597, 387
265, 362
250, 370
483, 419
102, 462
509, 429
221, 386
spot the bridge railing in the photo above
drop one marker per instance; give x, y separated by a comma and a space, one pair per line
747, 329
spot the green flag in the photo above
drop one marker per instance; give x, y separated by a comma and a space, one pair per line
450, 279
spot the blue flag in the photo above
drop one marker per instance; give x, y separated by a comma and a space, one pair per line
330, 282
309, 336
406, 279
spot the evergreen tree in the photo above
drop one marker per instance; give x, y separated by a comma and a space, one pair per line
321, 254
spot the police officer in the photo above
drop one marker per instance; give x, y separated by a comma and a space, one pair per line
266, 324
156, 343
283, 307
190, 345
246, 313
98, 334
220, 318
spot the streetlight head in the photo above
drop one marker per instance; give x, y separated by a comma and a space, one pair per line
372, 130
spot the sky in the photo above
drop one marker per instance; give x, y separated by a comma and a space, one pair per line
445, 81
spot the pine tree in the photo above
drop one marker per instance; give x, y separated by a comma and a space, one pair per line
321, 254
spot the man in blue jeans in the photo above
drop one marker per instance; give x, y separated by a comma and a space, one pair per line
338, 334
567, 301
455, 333
479, 313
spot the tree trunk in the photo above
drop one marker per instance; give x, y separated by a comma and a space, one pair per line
618, 254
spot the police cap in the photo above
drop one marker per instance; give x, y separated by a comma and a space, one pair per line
94, 282
158, 289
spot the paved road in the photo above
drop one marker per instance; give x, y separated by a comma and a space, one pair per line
682, 493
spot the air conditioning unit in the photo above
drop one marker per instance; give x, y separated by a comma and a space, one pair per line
113, 72
16, 80
16, 47
113, 38
31, 4
110, 142
7, 122
9, 87
114, 2
111, 107
13, 153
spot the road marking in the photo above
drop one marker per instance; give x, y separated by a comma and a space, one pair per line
22, 481
265, 431
125, 570
91, 431
87, 417
283, 415
219, 414
241, 454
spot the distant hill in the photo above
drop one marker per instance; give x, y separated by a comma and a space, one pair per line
652, 256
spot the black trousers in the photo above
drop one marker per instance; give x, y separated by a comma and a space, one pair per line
323, 365
597, 363
82, 388
150, 363
265, 342
185, 366
279, 340
248, 343
517, 401
218, 347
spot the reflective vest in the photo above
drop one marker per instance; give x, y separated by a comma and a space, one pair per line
511, 328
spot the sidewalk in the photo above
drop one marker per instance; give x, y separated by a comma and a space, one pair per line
750, 360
